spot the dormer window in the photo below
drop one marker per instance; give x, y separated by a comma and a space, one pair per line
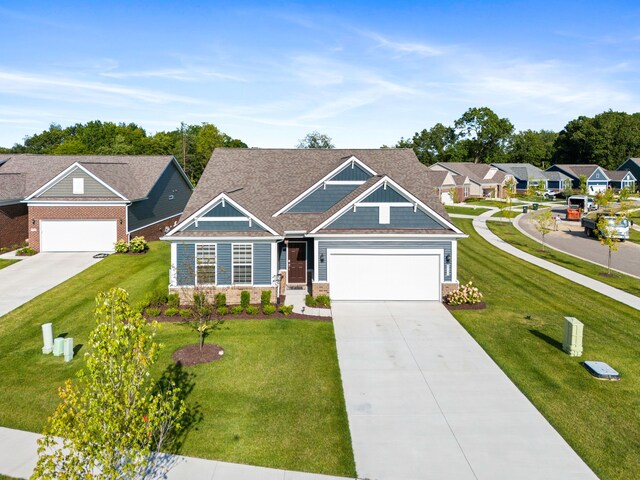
78, 186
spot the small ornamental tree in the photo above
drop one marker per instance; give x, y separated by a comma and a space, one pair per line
543, 223
583, 184
204, 316
604, 198
113, 418
606, 229
509, 192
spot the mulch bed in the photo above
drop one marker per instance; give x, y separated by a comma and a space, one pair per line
466, 306
243, 316
192, 355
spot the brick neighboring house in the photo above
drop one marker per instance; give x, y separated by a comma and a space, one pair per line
87, 203
484, 180
355, 224
451, 187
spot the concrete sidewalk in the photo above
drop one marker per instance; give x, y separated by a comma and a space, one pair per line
425, 401
19, 454
480, 225
34, 275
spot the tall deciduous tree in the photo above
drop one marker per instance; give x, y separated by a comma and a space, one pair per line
315, 139
112, 419
434, 145
483, 134
532, 146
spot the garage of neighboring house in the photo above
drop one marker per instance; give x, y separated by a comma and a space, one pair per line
78, 235
384, 274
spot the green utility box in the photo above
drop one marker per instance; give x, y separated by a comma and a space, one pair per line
572, 341
535, 206
525, 208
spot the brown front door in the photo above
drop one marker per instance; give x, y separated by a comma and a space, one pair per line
297, 260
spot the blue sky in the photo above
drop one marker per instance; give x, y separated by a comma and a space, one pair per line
365, 73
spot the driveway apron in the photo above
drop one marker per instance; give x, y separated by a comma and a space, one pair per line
32, 276
424, 401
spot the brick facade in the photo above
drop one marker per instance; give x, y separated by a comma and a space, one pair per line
157, 230
232, 293
14, 224
38, 213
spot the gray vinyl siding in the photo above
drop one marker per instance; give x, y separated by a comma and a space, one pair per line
352, 174
64, 187
400, 217
322, 198
392, 245
597, 175
261, 263
226, 211
384, 195
282, 256
228, 226
159, 205
185, 263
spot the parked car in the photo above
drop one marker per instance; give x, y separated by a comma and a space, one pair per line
617, 226
551, 195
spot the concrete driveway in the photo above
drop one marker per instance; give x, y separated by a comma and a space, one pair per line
424, 401
32, 276
571, 238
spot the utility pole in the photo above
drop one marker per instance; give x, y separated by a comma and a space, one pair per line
184, 147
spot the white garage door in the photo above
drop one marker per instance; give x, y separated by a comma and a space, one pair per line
78, 235
384, 275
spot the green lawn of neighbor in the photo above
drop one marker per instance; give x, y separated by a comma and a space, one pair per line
275, 399
482, 202
470, 210
522, 328
5, 263
510, 234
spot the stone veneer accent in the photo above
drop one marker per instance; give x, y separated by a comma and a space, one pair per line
14, 224
319, 288
37, 213
155, 231
232, 293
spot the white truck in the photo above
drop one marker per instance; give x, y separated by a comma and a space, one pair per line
606, 225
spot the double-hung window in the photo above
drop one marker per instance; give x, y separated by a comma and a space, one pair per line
242, 263
205, 264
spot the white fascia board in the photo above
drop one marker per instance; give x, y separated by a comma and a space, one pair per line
601, 171
72, 203
402, 191
64, 173
387, 236
209, 240
323, 180
188, 221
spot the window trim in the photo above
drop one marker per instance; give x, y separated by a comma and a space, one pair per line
215, 265
233, 263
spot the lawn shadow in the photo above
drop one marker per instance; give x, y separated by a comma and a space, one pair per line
543, 336
174, 376
62, 335
77, 348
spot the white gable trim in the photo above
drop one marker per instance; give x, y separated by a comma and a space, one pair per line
384, 181
350, 161
66, 172
222, 198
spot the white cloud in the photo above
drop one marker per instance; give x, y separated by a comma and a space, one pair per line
405, 48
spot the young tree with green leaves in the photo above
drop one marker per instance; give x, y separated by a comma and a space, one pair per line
114, 417
583, 184
543, 223
509, 192
605, 231
604, 198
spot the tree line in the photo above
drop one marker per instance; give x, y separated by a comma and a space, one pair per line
190, 144
481, 136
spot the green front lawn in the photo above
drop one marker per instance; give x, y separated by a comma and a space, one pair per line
508, 233
275, 399
485, 202
522, 329
470, 210
5, 263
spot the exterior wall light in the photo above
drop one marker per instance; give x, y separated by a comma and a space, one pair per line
447, 258
322, 258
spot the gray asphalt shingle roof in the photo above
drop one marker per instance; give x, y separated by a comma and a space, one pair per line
476, 172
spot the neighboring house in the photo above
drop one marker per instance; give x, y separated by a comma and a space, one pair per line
353, 224
633, 165
87, 203
619, 179
450, 187
484, 180
527, 175
597, 179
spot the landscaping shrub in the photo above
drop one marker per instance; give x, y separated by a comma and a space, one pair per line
309, 301
171, 312
252, 310
466, 294
220, 300
245, 298
121, 246
237, 310
25, 252
268, 309
323, 301
286, 309
157, 298
173, 300
185, 313
152, 311
265, 298
222, 311
138, 245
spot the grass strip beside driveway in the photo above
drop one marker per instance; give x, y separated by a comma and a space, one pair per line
470, 210
522, 328
508, 233
275, 399
5, 263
